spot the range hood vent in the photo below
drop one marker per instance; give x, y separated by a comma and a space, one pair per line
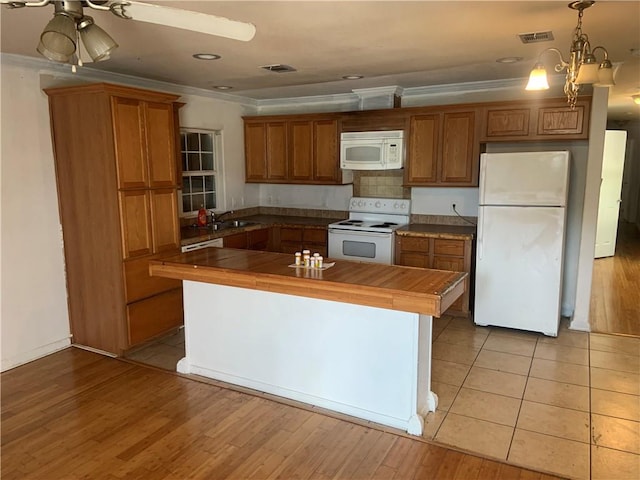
536, 37
279, 68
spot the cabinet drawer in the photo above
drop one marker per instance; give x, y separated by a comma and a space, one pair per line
451, 264
314, 235
415, 244
413, 260
448, 247
139, 284
290, 247
154, 316
290, 234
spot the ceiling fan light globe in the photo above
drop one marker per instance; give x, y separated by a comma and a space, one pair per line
59, 37
538, 78
53, 56
97, 42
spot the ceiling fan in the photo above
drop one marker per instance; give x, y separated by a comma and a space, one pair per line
60, 40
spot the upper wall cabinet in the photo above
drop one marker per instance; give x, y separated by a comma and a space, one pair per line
443, 148
265, 147
145, 153
292, 149
542, 120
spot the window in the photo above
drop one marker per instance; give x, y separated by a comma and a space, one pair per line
200, 166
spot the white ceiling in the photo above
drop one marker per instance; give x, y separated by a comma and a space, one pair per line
408, 44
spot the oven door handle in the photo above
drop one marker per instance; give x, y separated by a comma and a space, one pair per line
360, 233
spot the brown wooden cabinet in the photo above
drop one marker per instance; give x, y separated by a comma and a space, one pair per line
450, 254
291, 239
251, 240
292, 149
443, 149
265, 151
115, 154
313, 151
547, 119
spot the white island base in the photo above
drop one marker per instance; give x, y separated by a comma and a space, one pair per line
370, 363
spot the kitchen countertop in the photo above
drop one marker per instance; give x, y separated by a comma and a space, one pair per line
190, 235
454, 232
407, 289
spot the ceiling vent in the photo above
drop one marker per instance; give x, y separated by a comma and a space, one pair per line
536, 37
279, 68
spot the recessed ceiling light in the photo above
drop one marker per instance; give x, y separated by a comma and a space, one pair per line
206, 56
353, 77
509, 60
222, 87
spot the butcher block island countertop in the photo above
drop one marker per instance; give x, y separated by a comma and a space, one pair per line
407, 289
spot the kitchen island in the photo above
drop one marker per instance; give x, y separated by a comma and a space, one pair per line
354, 338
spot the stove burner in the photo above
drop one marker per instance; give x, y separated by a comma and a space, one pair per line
351, 222
384, 225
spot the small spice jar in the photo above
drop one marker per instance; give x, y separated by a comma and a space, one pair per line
306, 258
298, 259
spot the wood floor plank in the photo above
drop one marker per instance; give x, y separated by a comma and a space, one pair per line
615, 292
105, 418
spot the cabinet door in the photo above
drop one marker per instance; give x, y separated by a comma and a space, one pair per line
561, 120
255, 151
155, 315
164, 220
326, 167
239, 240
277, 151
160, 144
422, 158
508, 122
135, 223
301, 151
128, 120
258, 239
458, 156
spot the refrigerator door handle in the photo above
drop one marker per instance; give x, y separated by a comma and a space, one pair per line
479, 233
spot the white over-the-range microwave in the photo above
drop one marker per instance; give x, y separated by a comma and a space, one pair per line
379, 150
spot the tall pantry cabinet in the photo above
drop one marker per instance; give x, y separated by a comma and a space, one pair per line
117, 177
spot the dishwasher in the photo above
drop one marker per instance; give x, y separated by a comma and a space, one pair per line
216, 242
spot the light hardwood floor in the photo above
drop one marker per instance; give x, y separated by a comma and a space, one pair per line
76, 414
615, 295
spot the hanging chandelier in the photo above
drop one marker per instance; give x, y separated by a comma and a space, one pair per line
582, 67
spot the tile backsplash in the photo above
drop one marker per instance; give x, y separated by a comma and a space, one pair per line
387, 184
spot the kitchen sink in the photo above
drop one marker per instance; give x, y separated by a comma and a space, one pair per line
217, 226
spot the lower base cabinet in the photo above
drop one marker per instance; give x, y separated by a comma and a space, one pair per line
251, 240
440, 254
154, 316
291, 239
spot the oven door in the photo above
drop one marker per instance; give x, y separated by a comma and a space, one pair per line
371, 247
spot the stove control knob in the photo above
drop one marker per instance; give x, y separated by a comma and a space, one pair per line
353, 203
360, 203
403, 205
396, 206
378, 204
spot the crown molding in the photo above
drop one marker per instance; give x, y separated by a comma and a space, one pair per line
85, 73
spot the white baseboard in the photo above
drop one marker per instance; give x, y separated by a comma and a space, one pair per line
31, 355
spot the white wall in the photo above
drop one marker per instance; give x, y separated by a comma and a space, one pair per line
213, 114
306, 196
438, 201
35, 319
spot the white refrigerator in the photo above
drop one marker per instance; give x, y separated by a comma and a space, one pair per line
520, 244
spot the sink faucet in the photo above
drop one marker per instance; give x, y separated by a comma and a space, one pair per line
218, 217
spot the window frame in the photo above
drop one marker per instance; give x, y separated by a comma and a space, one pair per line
217, 172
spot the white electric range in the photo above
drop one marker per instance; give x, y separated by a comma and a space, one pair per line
368, 234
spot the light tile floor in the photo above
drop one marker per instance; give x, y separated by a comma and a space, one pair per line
568, 405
